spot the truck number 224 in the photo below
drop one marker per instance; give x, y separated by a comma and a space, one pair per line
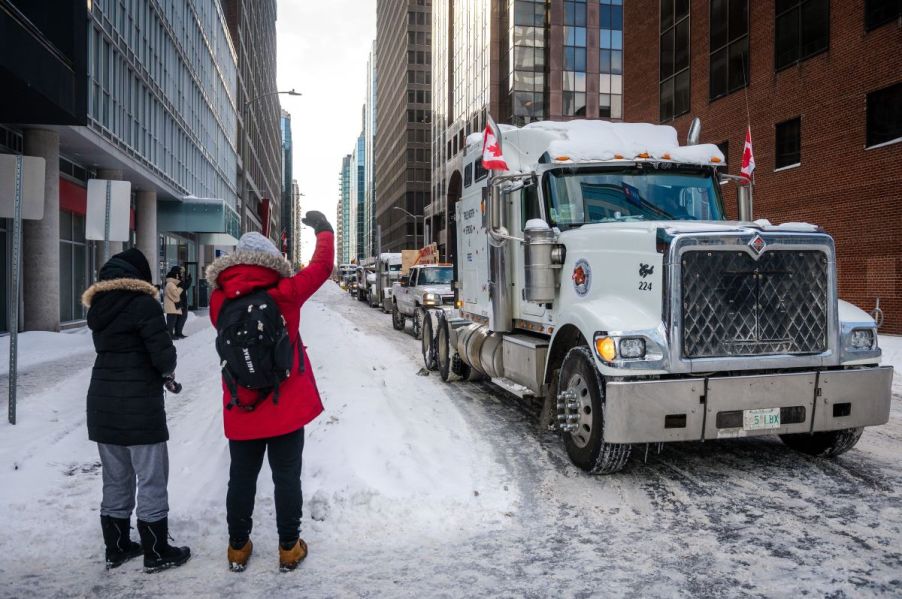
644, 286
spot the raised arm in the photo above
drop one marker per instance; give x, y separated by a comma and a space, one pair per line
306, 282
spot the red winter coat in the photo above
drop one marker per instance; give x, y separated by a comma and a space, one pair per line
242, 273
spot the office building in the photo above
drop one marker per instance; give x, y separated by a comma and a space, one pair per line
819, 84
297, 226
152, 102
371, 241
404, 116
358, 197
286, 202
520, 61
347, 218
252, 24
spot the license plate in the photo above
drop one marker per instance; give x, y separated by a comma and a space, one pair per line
756, 420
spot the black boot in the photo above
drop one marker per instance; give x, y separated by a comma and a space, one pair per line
158, 553
119, 547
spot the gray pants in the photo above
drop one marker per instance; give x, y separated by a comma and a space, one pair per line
122, 466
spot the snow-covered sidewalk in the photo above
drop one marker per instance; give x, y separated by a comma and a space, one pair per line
390, 462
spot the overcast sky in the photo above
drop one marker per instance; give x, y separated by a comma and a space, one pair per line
323, 49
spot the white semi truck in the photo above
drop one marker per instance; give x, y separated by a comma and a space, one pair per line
387, 271
600, 274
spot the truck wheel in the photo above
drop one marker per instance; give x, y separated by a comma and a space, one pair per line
418, 316
825, 444
585, 445
427, 343
397, 319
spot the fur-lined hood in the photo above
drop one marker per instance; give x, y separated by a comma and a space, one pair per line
136, 285
276, 263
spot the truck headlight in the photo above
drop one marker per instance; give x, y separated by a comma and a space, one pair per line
861, 339
431, 299
632, 347
606, 348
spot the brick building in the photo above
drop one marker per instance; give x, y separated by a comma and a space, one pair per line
821, 83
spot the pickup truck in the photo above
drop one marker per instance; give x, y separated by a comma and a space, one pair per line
425, 286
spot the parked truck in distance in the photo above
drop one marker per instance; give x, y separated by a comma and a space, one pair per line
424, 287
387, 270
601, 274
345, 273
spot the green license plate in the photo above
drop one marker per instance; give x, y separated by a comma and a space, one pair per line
756, 420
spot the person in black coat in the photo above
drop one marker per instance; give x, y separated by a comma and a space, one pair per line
125, 410
185, 284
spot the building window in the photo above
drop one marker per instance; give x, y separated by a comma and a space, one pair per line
729, 63
724, 148
884, 120
574, 93
802, 30
881, 12
526, 75
574, 74
674, 58
610, 59
788, 143
73, 266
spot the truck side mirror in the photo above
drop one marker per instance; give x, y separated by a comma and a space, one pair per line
405, 279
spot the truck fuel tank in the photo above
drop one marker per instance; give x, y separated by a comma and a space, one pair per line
539, 262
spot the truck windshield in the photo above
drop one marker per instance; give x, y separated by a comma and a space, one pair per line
394, 268
578, 197
435, 276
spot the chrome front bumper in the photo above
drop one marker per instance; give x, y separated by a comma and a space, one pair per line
697, 409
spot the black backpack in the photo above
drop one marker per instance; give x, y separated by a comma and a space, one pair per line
253, 344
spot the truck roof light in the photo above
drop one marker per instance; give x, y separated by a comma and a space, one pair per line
715, 159
666, 156
562, 158
618, 156
643, 155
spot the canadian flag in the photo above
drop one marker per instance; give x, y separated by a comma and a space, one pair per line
492, 157
748, 157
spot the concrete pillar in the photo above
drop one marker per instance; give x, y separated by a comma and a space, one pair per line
41, 240
146, 229
115, 246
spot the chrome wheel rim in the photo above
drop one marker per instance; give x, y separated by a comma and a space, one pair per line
580, 389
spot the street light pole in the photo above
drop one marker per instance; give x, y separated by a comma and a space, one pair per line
414, 217
244, 137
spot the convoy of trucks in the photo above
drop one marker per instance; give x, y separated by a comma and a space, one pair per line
600, 275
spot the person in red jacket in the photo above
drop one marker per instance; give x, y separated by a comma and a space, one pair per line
276, 427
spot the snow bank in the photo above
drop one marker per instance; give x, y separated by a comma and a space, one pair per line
391, 454
39, 347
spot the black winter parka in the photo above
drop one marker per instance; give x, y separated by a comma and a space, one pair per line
134, 352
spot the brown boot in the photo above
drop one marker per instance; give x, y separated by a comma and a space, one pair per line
238, 557
290, 558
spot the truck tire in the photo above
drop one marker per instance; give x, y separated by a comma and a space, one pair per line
586, 446
827, 444
397, 319
449, 367
418, 316
427, 342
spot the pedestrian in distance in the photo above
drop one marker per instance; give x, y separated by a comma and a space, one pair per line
269, 393
185, 282
126, 413
171, 300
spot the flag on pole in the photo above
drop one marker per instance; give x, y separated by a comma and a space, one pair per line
748, 157
492, 157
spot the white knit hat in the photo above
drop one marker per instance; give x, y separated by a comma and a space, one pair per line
254, 242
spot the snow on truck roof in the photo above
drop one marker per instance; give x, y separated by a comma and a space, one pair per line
595, 141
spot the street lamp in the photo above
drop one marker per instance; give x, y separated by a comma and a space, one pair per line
244, 140
414, 217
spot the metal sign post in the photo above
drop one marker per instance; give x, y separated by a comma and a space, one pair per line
21, 198
14, 300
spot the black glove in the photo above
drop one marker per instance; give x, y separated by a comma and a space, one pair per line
171, 385
317, 221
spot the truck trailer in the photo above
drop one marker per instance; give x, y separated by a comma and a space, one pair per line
601, 275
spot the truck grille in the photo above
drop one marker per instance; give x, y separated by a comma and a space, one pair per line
734, 305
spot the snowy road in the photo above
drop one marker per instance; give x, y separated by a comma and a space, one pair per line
416, 488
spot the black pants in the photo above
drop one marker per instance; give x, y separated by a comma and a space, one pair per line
171, 321
180, 322
285, 461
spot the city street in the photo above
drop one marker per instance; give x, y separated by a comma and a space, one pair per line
415, 488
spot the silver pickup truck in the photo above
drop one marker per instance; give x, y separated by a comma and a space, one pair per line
425, 286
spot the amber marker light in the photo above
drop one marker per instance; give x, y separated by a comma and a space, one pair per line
606, 348
715, 159
666, 156
618, 156
643, 155
562, 158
